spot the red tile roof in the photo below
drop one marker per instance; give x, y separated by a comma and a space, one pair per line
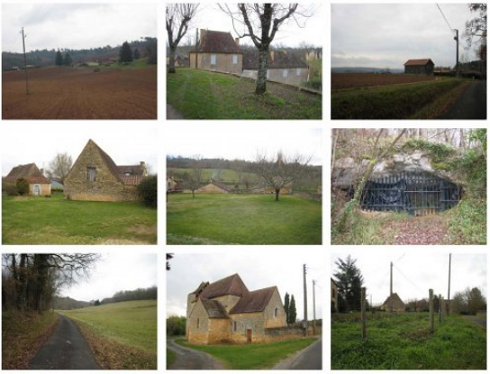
29, 172
255, 301
217, 42
232, 285
420, 62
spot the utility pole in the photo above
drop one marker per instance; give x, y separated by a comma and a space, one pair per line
314, 309
457, 52
25, 59
449, 288
305, 303
391, 287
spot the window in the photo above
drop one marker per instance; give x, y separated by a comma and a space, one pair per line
235, 59
234, 326
298, 72
213, 59
198, 323
275, 312
285, 73
91, 174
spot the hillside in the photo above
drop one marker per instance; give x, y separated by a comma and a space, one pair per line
67, 303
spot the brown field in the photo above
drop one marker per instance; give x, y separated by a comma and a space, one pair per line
342, 81
80, 93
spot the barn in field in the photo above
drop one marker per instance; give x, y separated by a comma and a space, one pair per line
393, 304
214, 187
217, 51
39, 185
421, 66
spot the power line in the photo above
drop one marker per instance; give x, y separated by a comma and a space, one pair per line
450, 28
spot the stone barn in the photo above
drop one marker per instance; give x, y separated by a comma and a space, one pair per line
39, 185
225, 311
217, 51
422, 66
393, 304
95, 177
214, 187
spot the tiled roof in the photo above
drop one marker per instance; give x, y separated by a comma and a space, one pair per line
420, 62
214, 309
232, 285
217, 42
254, 301
29, 172
276, 60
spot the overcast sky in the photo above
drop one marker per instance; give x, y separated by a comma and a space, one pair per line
125, 142
387, 35
115, 272
242, 140
414, 273
292, 32
258, 269
75, 26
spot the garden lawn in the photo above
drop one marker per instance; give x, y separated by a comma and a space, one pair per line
39, 220
403, 342
199, 94
253, 356
242, 219
122, 335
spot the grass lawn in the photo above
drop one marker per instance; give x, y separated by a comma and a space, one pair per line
242, 219
39, 220
171, 357
199, 94
404, 101
22, 335
253, 356
122, 335
403, 341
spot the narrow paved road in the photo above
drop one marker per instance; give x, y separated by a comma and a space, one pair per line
66, 349
472, 104
478, 321
172, 113
189, 359
309, 358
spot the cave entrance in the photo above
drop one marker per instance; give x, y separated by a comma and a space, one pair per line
419, 194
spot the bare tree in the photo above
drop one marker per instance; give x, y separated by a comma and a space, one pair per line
280, 172
59, 167
178, 18
193, 181
262, 22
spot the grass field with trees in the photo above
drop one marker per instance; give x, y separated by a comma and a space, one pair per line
243, 219
403, 342
122, 335
38, 220
199, 94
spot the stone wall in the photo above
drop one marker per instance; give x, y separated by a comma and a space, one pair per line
210, 188
228, 301
224, 62
283, 333
274, 313
290, 76
240, 323
198, 325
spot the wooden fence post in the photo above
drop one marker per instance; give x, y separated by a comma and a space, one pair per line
363, 312
440, 308
431, 310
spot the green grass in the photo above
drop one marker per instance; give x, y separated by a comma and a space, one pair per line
468, 222
402, 101
171, 357
242, 219
199, 94
403, 342
128, 328
39, 220
22, 335
253, 356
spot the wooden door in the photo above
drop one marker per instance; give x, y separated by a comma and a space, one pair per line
249, 336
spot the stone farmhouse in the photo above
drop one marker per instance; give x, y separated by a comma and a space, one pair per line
421, 66
283, 67
217, 51
393, 304
225, 311
95, 177
39, 185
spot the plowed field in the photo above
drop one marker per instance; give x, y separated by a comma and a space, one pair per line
80, 93
355, 80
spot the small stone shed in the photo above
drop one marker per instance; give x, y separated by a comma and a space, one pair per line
420, 66
225, 311
393, 304
95, 177
39, 185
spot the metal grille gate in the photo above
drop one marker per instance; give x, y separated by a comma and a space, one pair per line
416, 193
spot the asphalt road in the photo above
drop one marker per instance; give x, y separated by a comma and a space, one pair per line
66, 349
189, 359
309, 358
472, 104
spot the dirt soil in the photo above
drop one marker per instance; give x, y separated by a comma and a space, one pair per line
425, 230
355, 80
80, 93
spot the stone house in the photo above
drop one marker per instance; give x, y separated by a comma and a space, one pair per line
217, 51
225, 311
174, 185
393, 304
214, 187
334, 296
39, 185
95, 177
421, 66
283, 67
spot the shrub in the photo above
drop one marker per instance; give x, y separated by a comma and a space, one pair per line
22, 186
148, 191
9, 189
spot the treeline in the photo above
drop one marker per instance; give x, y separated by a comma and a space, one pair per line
147, 48
138, 294
31, 281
